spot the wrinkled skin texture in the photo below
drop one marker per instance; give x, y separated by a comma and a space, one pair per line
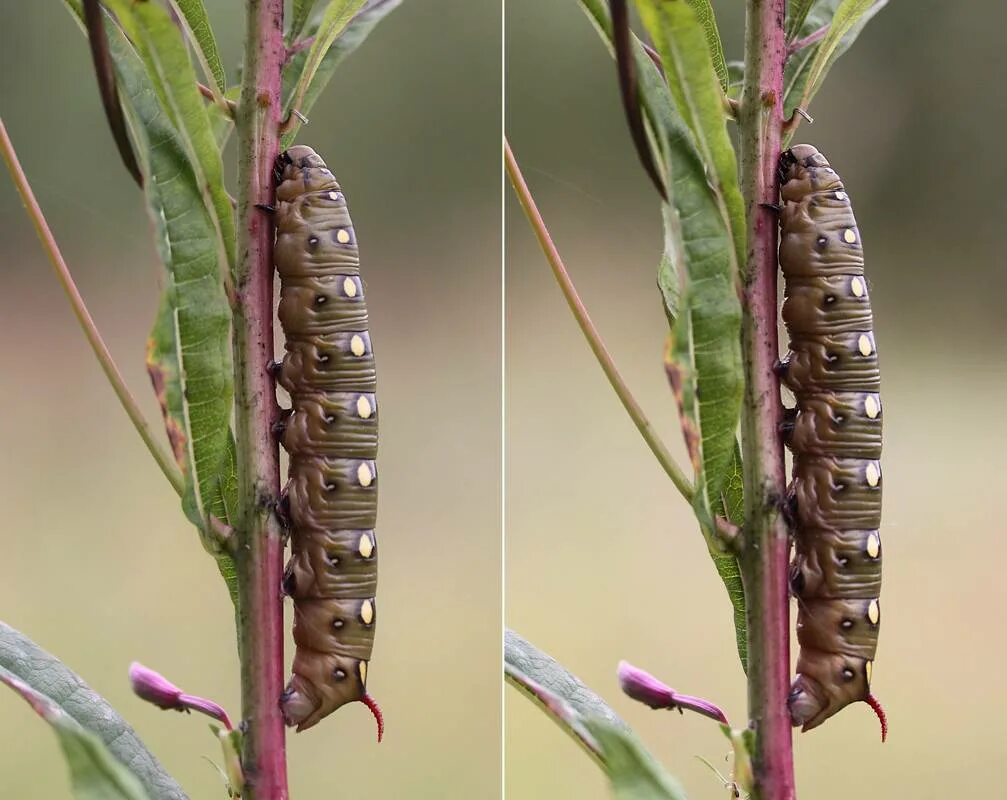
332, 438
832, 369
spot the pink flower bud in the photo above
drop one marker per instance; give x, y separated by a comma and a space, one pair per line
155, 688
647, 689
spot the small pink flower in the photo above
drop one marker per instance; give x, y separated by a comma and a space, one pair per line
158, 690
647, 689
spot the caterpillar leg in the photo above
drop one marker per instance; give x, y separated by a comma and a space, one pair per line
787, 425
281, 424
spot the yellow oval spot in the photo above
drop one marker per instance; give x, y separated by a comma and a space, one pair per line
869, 671
873, 473
342, 236
364, 475
367, 612
849, 236
874, 612
857, 287
364, 409
871, 406
362, 669
873, 545
333, 195
366, 545
864, 345
840, 195
349, 287
357, 345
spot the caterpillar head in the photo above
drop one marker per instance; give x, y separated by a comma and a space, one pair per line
322, 683
827, 683
300, 170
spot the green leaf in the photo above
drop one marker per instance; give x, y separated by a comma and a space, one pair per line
168, 69
189, 352
299, 18
704, 14
731, 506
632, 771
797, 12
220, 121
697, 274
73, 707
681, 41
743, 744
736, 78
95, 774
526, 659
353, 35
558, 692
337, 16
806, 69
192, 13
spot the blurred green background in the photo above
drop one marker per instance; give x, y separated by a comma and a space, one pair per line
603, 559
98, 564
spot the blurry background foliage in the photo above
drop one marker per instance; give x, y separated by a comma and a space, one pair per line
603, 557
99, 565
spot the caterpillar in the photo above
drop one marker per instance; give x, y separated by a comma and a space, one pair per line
331, 435
834, 433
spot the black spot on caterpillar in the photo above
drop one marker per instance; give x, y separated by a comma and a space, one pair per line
832, 369
332, 438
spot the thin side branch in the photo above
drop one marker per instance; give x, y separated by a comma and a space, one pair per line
161, 456
764, 557
799, 44
229, 106
259, 555
657, 447
298, 46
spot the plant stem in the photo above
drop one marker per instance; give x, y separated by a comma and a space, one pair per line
766, 548
601, 353
259, 554
808, 40
161, 456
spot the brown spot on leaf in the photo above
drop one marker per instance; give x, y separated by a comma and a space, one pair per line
676, 377
174, 429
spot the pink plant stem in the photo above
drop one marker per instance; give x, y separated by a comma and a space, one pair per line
808, 40
766, 546
259, 552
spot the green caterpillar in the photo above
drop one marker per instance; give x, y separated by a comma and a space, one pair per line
331, 434
835, 435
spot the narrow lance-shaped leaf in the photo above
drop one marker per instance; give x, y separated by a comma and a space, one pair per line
557, 691
221, 122
697, 224
731, 506
797, 12
299, 18
160, 46
337, 16
189, 354
681, 41
806, 69
848, 14
39, 676
704, 14
353, 35
524, 657
198, 24
95, 774
634, 773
